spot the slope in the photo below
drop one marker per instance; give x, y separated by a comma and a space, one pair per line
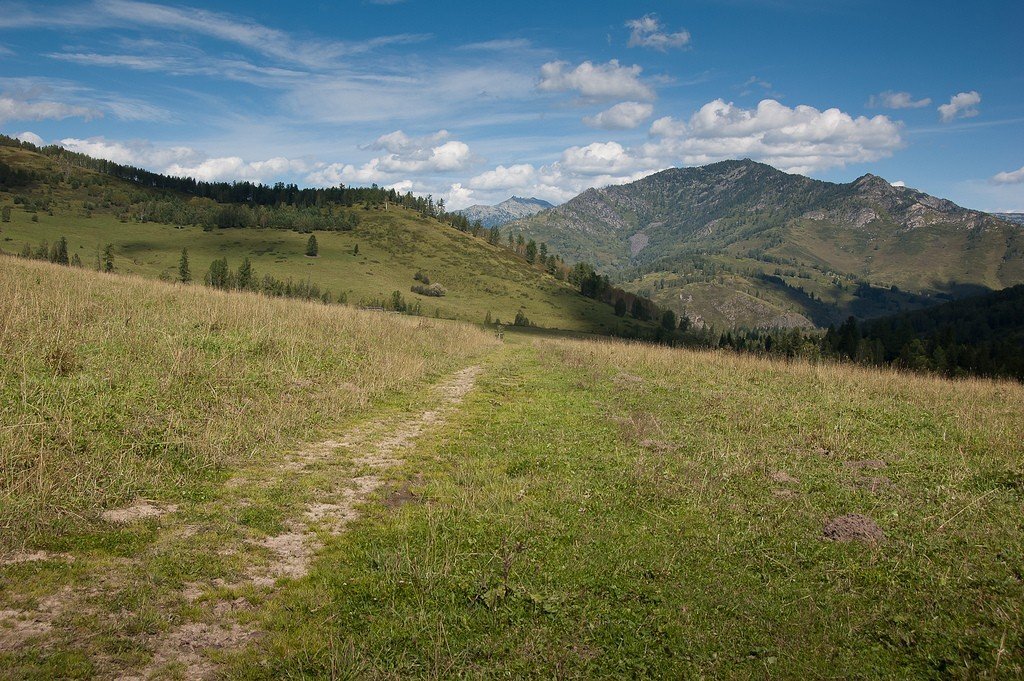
806, 247
366, 263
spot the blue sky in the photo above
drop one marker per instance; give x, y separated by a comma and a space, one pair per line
476, 101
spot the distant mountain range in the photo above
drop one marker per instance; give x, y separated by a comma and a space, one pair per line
739, 243
1011, 217
506, 211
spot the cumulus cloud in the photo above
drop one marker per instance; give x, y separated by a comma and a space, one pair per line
799, 139
897, 100
235, 168
898, 183
961, 105
18, 109
595, 81
624, 116
139, 153
31, 138
433, 153
648, 32
1009, 177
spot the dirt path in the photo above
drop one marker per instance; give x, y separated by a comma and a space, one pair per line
208, 617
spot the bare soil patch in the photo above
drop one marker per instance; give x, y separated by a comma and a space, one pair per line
140, 510
853, 527
784, 478
867, 464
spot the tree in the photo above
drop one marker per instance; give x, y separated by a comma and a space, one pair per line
76, 261
312, 249
620, 307
355, 250
184, 272
60, 252
245, 274
108, 258
531, 251
487, 318
668, 320
7, 213
217, 275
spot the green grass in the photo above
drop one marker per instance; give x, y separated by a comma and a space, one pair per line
603, 510
592, 509
393, 245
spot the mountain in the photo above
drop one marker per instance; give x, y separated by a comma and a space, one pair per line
367, 253
506, 211
1017, 218
739, 243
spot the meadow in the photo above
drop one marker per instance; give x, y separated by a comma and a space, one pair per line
456, 505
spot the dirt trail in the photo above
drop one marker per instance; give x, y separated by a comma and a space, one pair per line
372, 448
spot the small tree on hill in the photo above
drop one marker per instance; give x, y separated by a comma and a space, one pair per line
7, 213
60, 252
668, 320
312, 249
245, 274
184, 271
108, 258
355, 250
76, 261
218, 274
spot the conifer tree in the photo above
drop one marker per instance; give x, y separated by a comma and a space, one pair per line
7, 214
60, 252
245, 274
184, 271
312, 249
108, 258
76, 261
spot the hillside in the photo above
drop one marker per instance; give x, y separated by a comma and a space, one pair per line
206, 484
740, 243
978, 335
506, 211
51, 198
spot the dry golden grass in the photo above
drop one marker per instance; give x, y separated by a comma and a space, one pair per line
114, 387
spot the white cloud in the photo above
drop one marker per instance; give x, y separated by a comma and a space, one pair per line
898, 183
598, 158
961, 105
139, 153
235, 168
31, 109
31, 138
647, 32
623, 116
799, 139
1009, 177
897, 100
595, 81
520, 175
457, 197
406, 155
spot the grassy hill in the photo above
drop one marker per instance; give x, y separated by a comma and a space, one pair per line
198, 483
809, 249
92, 209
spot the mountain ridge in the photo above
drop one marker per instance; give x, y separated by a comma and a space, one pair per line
512, 208
747, 220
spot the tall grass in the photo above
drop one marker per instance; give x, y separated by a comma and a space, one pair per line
114, 387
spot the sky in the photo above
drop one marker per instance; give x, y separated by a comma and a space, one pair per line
474, 102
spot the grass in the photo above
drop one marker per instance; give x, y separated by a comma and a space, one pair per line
393, 245
114, 387
607, 510
592, 509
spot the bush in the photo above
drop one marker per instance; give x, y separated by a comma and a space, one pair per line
433, 290
421, 276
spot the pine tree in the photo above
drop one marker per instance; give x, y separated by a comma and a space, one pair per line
7, 214
76, 261
184, 272
355, 250
108, 258
487, 318
245, 274
312, 249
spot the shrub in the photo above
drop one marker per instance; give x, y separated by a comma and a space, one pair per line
433, 290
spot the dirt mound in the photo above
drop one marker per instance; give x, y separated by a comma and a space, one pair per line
784, 478
853, 527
